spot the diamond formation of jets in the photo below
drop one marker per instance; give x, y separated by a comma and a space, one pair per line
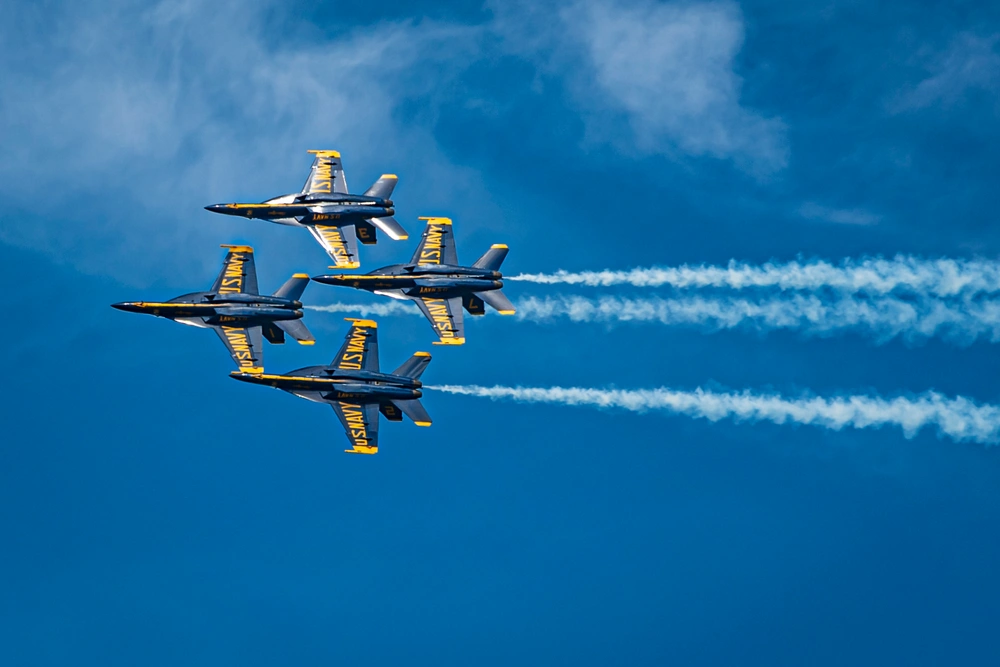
335, 218
352, 383
236, 311
439, 285
355, 388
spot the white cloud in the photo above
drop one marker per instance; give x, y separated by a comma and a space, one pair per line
840, 216
127, 120
970, 62
668, 69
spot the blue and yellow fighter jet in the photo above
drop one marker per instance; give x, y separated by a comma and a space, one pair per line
235, 310
436, 282
336, 219
353, 385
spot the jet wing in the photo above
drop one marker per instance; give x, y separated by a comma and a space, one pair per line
326, 175
446, 317
360, 349
239, 274
340, 243
437, 244
361, 425
245, 345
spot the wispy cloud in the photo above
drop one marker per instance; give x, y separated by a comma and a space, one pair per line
667, 69
867, 275
970, 62
956, 418
129, 118
839, 216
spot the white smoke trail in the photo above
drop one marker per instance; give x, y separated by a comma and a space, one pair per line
957, 418
365, 309
884, 318
870, 275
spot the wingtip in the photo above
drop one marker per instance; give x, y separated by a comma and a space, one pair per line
362, 323
421, 354
499, 246
307, 342
237, 248
506, 312
422, 423
300, 275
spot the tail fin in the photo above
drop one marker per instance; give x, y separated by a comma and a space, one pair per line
392, 229
297, 330
415, 366
498, 300
415, 411
293, 287
383, 187
493, 258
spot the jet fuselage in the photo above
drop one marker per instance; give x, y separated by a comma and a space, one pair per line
217, 309
421, 280
337, 385
328, 209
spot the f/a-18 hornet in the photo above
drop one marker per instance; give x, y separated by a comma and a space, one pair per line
336, 219
436, 282
355, 388
235, 310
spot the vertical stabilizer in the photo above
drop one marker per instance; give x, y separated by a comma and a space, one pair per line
293, 287
493, 258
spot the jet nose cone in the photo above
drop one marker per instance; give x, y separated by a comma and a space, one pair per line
328, 280
127, 306
217, 208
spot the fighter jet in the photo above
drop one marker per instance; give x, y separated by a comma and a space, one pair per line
355, 388
438, 284
235, 310
336, 219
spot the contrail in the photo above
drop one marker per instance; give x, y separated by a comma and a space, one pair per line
885, 318
957, 418
366, 309
869, 275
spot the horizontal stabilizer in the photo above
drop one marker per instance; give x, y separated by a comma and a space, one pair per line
273, 334
366, 232
474, 304
391, 412
293, 287
499, 301
297, 330
415, 366
415, 411
391, 228
493, 258
383, 187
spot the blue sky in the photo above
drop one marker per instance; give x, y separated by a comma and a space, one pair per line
156, 512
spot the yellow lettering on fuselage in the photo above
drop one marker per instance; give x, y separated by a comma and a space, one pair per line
355, 418
430, 253
354, 353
